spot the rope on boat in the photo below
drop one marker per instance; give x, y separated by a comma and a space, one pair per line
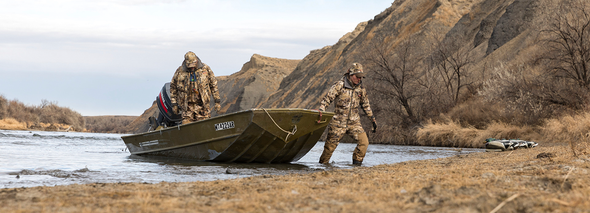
292, 132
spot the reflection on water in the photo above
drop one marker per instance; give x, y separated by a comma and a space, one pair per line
31, 158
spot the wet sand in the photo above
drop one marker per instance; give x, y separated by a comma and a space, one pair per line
542, 179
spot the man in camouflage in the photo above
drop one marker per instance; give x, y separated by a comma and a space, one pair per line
191, 89
348, 94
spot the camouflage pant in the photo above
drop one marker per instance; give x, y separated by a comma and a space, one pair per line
194, 112
335, 133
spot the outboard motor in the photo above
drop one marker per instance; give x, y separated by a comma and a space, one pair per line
166, 117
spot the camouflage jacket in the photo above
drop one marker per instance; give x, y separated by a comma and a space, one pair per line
184, 90
347, 99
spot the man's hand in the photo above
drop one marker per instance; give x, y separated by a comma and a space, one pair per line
374, 126
175, 108
217, 107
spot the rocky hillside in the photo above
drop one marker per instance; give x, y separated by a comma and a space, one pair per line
253, 84
427, 60
489, 26
429, 42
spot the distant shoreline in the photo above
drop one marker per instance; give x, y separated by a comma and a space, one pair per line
12, 124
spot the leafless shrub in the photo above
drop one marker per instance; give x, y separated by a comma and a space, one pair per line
568, 42
22, 112
395, 74
528, 96
109, 124
453, 63
3, 107
392, 132
48, 112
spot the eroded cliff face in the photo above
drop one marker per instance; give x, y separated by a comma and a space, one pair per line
417, 19
253, 84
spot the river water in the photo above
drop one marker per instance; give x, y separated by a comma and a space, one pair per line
38, 158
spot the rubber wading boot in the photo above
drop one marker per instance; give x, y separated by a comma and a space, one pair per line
356, 162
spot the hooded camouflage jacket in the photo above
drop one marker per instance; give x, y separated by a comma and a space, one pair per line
347, 99
194, 86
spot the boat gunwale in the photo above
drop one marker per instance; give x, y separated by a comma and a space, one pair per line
187, 145
253, 111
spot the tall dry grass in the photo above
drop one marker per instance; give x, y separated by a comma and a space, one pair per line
571, 129
451, 133
12, 124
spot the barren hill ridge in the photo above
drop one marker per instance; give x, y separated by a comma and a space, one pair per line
254, 83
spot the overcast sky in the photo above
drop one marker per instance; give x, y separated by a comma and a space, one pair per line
111, 57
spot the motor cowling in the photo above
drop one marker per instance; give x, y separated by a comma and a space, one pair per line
166, 117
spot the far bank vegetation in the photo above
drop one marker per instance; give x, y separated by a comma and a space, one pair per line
47, 116
109, 124
439, 97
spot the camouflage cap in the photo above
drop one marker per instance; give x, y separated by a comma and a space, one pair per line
356, 69
191, 59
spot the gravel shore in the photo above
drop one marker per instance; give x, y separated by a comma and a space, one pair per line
541, 179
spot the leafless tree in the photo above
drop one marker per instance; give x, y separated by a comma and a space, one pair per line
453, 61
396, 72
568, 41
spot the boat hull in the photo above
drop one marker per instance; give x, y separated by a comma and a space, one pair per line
256, 135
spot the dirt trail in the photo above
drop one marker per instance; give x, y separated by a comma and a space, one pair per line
542, 179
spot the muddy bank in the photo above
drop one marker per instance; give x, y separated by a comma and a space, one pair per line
542, 179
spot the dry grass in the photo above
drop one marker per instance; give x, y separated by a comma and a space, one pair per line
478, 182
570, 129
12, 124
451, 134
574, 130
451, 11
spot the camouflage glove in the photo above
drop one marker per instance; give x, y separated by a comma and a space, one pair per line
217, 107
322, 108
374, 126
175, 108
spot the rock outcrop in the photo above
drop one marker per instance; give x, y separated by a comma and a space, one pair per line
253, 84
